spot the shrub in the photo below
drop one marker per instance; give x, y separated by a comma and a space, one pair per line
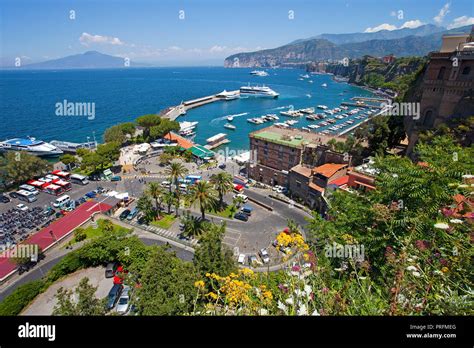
14, 303
79, 234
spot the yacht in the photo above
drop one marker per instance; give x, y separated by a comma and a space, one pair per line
230, 118
258, 91
291, 122
305, 76
259, 73
230, 126
324, 85
323, 107
307, 111
313, 126
228, 95
255, 120
31, 146
291, 113
186, 127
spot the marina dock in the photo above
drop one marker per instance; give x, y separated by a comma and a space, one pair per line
361, 105
373, 100
175, 111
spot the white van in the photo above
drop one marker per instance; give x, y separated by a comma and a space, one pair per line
29, 188
61, 201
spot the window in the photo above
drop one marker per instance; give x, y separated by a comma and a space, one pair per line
428, 120
441, 73
466, 70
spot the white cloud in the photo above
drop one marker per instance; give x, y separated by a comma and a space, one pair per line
384, 26
412, 24
461, 22
87, 39
442, 13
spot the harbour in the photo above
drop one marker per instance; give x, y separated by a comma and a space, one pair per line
219, 105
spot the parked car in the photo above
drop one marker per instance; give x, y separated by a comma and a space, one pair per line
91, 194
13, 195
241, 216
22, 207
49, 211
132, 214
123, 301
241, 195
4, 199
110, 269
166, 184
264, 255
116, 178
252, 259
246, 209
114, 295
222, 166
124, 214
241, 259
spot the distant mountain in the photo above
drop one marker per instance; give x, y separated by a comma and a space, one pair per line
339, 39
87, 60
317, 49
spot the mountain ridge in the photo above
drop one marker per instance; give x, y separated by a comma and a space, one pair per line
303, 51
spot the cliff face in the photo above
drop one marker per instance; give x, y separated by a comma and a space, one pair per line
372, 72
289, 55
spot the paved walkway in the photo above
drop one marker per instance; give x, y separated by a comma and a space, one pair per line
44, 303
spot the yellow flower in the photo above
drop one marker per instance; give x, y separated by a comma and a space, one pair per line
199, 284
445, 269
212, 295
246, 271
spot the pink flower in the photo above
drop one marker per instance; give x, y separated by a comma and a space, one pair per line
296, 268
325, 290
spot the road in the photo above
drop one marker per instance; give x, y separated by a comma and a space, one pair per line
45, 265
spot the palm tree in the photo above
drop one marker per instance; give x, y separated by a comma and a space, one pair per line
193, 227
177, 196
223, 183
204, 193
156, 192
169, 199
175, 171
145, 205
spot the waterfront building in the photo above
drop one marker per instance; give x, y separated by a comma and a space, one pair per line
275, 151
446, 90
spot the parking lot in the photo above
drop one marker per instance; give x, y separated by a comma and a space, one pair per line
19, 222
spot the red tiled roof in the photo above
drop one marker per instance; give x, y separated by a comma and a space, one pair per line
341, 181
305, 171
329, 169
313, 186
183, 142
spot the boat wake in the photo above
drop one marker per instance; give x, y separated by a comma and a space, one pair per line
281, 107
222, 118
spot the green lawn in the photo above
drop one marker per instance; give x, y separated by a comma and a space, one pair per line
165, 222
92, 232
227, 212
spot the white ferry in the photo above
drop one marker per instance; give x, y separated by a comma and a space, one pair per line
31, 146
258, 91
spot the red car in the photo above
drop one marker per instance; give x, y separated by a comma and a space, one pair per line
119, 275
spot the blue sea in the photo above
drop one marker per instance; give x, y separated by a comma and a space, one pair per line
28, 99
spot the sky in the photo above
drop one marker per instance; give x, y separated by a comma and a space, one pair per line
199, 32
